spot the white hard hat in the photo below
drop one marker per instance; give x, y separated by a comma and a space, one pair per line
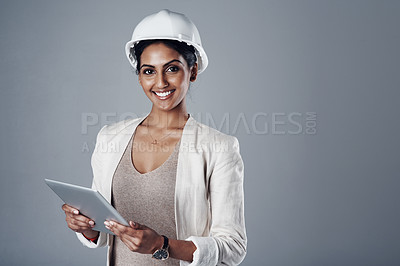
168, 25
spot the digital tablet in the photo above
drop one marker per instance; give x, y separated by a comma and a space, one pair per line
89, 202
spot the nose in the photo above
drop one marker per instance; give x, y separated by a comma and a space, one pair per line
161, 81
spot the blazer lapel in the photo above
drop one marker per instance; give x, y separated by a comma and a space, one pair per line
119, 144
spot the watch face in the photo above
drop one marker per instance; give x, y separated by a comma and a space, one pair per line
161, 254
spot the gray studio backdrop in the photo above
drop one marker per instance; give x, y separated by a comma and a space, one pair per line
310, 88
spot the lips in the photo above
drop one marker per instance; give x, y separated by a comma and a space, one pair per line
164, 94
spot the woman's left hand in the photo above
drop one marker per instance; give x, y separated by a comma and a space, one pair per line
137, 237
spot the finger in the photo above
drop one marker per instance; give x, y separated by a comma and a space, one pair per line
134, 225
70, 209
77, 225
109, 225
79, 220
137, 226
83, 224
125, 233
117, 228
84, 219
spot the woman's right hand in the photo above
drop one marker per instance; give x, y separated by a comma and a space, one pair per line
78, 222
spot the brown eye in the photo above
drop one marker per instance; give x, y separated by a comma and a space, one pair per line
148, 71
172, 69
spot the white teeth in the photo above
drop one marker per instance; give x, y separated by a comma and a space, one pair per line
163, 94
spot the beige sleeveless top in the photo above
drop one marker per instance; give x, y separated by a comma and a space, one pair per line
147, 199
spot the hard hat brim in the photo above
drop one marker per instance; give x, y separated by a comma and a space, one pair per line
202, 59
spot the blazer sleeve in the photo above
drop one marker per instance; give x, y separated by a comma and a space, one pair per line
227, 242
97, 173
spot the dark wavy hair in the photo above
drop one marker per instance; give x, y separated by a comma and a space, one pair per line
187, 51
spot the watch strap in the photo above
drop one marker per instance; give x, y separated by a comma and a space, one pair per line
166, 242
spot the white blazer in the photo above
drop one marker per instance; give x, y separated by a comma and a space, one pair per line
208, 191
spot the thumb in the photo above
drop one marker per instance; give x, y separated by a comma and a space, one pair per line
134, 225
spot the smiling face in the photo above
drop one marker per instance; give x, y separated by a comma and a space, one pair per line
165, 76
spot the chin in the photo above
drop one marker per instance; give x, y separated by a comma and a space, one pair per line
165, 108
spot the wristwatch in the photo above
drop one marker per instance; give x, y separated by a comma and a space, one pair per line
162, 254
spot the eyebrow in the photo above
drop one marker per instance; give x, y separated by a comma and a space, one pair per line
166, 64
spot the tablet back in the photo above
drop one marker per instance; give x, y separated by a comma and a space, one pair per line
89, 202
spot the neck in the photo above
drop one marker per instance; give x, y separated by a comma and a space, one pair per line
167, 119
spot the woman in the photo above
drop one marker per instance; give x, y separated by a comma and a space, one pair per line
178, 182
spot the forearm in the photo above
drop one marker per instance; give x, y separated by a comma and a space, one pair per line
100, 241
91, 233
181, 249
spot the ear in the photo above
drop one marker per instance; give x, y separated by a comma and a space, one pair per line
193, 73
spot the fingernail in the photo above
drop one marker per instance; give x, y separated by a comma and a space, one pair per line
76, 212
91, 223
